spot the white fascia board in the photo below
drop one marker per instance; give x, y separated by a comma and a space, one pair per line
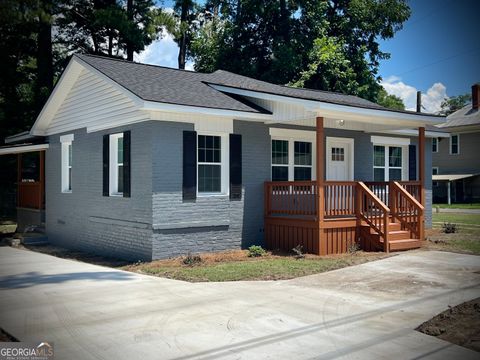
339, 111
23, 149
411, 132
385, 140
59, 93
157, 106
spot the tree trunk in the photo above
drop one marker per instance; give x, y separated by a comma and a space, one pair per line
44, 55
130, 18
182, 52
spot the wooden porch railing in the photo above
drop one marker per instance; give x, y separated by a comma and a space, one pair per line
30, 195
407, 210
382, 189
373, 211
339, 198
297, 198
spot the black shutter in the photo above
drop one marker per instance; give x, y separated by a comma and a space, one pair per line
126, 164
235, 167
189, 165
106, 165
412, 162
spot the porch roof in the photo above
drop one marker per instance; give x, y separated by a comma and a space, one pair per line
22, 148
451, 177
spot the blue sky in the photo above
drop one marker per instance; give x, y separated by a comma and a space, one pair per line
437, 52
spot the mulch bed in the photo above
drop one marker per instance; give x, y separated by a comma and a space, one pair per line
459, 325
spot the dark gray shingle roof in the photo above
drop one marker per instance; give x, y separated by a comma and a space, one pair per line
463, 117
167, 85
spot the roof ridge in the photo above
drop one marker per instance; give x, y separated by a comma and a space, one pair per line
297, 88
139, 63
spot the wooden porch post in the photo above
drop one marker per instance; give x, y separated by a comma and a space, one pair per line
320, 175
421, 172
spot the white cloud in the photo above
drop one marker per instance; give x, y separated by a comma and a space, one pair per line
162, 52
431, 100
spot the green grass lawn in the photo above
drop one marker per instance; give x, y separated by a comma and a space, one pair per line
465, 240
269, 267
458, 218
458, 206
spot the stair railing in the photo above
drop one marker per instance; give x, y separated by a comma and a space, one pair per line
407, 210
373, 211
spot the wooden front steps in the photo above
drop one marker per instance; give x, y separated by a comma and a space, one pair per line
397, 239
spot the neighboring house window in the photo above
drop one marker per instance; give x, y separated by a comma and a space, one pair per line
435, 172
387, 163
116, 164
66, 141
434, 145
211, 162
287, 167
455, 144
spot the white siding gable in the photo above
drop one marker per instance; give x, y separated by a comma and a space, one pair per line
95, 104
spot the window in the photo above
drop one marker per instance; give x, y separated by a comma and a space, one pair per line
66, 141
212, 164
387, 163
291, 160
435, 172
454, 144
434, 145
279, 160
338, 154
116, 164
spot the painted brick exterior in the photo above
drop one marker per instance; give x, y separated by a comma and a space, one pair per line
155, 222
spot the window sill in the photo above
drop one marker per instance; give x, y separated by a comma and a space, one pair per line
207, 195
66, 191
116, 195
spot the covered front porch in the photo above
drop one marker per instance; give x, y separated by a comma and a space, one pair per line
335, 216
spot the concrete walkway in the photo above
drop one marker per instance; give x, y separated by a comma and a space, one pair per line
362, 312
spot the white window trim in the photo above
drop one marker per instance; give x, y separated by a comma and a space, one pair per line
436, 147
386, 167
66, 141
113, 166
458, 144
291, 136
224, 163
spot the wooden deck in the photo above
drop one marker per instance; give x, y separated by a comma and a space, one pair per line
376, 216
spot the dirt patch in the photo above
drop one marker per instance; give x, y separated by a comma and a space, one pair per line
6, 337
459, 325
466, 241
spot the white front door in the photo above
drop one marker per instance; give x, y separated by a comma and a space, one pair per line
339, 159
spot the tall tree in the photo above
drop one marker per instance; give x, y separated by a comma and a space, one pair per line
389, 101
285, 41
108, 27
454, 103
185, 12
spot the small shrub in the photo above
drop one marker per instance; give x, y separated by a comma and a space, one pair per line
256, 251
449, 228
298, 250
191, 260
353, 248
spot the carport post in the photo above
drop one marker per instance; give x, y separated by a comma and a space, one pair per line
448, 192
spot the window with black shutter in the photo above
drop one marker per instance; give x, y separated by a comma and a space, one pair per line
235, 166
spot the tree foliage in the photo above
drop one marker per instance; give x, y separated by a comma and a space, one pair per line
328, 45
389, 101
454, 103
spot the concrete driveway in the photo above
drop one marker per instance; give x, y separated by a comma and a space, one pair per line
362, 312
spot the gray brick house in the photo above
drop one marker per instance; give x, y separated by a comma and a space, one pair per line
144, 162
